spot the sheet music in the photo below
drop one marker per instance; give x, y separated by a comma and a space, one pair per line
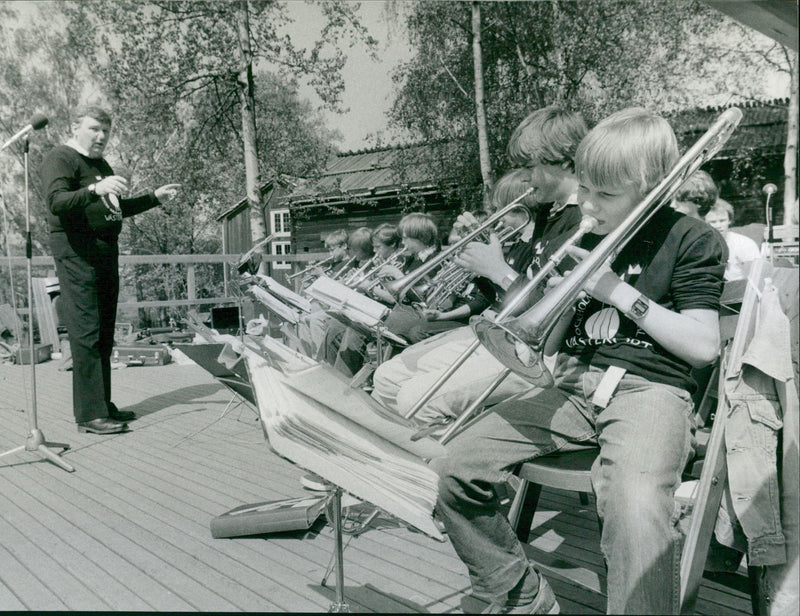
287, 313
284, 293
353, 304
355, 457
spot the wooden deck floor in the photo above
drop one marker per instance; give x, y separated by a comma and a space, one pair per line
129, 529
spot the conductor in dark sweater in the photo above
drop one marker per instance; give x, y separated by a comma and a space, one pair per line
85, 210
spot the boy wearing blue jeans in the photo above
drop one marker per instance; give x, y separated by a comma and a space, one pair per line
646, 320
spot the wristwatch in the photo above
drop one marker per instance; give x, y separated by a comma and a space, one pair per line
638, 309
92, 188
508, 280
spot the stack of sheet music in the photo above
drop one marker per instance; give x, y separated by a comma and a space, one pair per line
313, 417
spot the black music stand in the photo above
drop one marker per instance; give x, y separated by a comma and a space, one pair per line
35, 440
379, 331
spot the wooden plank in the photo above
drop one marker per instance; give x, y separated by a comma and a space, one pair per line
169, 537
26, 586
96, 578
65, 585
8, 600
144, 573
45, 314
139, 505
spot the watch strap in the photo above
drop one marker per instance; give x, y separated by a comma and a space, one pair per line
508, 280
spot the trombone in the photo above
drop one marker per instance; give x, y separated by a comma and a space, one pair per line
532, 327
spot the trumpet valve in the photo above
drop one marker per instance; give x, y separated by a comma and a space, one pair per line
507, 345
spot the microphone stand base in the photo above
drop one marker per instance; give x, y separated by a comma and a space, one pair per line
37, 443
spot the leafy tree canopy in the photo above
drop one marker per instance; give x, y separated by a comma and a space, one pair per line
593, 56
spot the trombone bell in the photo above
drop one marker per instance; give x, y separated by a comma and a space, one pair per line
510, 348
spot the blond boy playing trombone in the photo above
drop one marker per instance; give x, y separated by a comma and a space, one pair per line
622, 382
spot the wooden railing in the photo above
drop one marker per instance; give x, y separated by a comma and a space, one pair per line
191, 262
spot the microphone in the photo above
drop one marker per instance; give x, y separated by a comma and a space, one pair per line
769, 190
37, 121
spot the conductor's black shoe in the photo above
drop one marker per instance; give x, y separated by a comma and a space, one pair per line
102, 425
117, 415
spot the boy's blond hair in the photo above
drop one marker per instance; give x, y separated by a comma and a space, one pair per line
420, 227
630, 147
722, 207
509, 187
387, 234
361, 240
335, 238
546, 136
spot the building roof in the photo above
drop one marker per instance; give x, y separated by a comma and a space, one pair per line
763, 126
420, 168
775, 18
370, 174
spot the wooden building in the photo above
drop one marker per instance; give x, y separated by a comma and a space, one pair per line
372, 187
235, 221
369, 187
752, 157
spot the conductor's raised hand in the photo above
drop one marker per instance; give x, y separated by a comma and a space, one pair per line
113, 184
167, 192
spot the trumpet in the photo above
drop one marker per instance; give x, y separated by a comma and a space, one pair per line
371, 267
343, 269
310, 267
532, 327
401, 286
452, 279
369, 280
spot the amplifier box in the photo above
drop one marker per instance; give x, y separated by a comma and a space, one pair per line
41, 353
142, 355
226, 319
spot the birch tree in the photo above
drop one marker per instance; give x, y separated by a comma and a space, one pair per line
167, 52
594, 56
480, 110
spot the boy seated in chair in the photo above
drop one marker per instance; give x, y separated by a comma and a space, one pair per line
622, 381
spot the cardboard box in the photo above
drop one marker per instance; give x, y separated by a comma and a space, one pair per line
41, 352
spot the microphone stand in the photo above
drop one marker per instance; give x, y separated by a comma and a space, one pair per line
35, 441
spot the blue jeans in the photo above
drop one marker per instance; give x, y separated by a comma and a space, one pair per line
644, 436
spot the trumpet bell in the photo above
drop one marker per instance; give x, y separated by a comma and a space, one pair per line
509, 348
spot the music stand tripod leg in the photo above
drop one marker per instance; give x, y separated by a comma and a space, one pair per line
339, 606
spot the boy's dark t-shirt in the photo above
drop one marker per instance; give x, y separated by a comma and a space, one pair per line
675, 261
557, 229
